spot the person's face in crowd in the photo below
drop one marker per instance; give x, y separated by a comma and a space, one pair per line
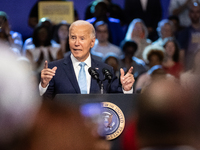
176, 24
154, 60
166, 31
195, 14
112, 61
170, 49
42, 34
63, 32
129, 51
47, 24
81, 41
102, 33
138, 30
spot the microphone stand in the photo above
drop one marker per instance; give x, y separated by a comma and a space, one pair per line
100, 82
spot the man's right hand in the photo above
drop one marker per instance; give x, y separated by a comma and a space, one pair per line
47, 74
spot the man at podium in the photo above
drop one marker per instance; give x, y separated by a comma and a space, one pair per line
70, 74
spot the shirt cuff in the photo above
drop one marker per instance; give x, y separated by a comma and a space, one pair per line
42, 90
128, 92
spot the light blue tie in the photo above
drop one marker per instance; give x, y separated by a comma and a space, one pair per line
82, 82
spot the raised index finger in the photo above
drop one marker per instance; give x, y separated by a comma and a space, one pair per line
130, 70
45, 64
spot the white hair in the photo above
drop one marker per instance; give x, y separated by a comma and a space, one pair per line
83, 22
132, 26
162, 23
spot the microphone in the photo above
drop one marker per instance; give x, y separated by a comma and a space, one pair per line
94, 73
107, 74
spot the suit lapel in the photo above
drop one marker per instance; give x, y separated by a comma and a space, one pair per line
69, 70
94, 87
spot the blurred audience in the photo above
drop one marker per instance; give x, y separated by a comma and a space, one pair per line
138, 32
46, 22
180, 8
165, 117
102, 45
129, 49
190, 78
114, 27
177, 26
165, 29
113, 60
150, 11
189, 37
14, 38
19, 101
42, 49
171, 62
153, 56
61, 37
114, 10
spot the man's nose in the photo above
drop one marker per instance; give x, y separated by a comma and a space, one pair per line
77, 42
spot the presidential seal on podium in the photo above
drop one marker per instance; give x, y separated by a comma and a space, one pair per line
113, 120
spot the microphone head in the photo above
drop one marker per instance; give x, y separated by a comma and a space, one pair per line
107, 74
93, 73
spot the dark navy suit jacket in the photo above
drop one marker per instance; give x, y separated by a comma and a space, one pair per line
65, 82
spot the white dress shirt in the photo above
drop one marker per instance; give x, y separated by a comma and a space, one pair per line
77, 68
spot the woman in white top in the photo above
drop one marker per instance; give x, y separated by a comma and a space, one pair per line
138, 32
42, 49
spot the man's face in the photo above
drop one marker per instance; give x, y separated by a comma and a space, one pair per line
80, 41
195, 14
166, 31
102, 33
154, 60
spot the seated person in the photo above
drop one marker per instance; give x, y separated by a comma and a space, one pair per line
112, 60
42, 49
14, 38
165, 29
4, 38
114, 26
154, 56
61, 37
28, 44
102, 45
137, 32
129, 49
171, 62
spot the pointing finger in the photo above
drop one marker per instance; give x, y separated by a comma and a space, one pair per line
54, 68
45, 64
130, 70
122, 72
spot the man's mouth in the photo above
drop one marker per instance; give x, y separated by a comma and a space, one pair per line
77, 49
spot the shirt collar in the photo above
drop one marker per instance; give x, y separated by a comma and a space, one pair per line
76, 63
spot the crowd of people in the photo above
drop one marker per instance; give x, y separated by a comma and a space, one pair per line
156, 57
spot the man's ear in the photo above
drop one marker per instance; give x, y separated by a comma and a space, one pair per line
92, 42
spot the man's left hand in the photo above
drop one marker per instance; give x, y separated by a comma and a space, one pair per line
127, 80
